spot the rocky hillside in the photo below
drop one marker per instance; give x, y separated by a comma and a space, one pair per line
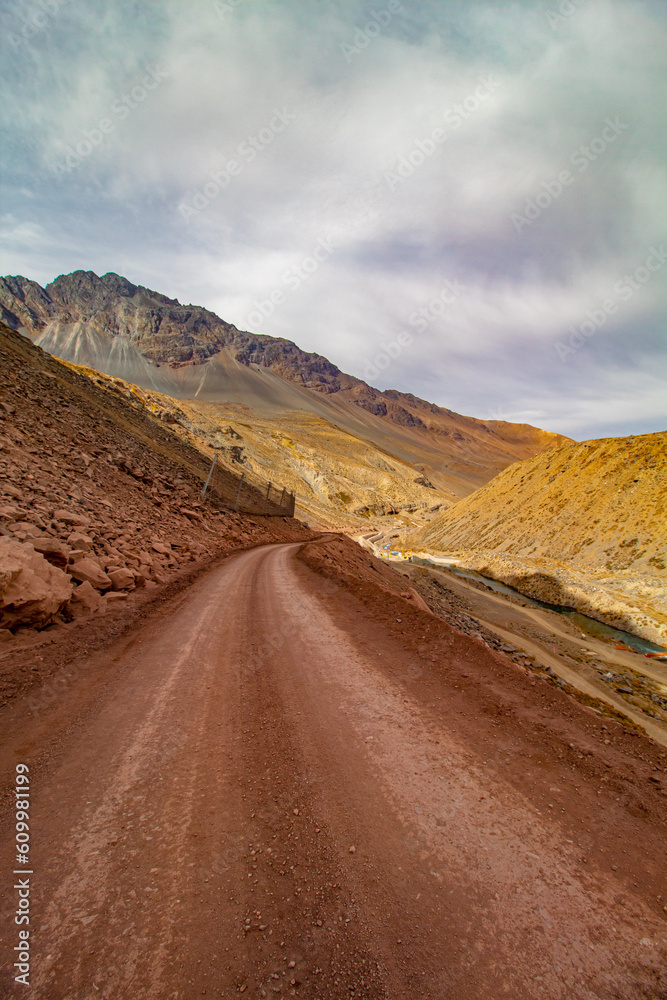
186, 351
600, 503
573, 525
338, 479
97, 498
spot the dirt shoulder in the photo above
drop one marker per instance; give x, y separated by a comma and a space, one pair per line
504, 682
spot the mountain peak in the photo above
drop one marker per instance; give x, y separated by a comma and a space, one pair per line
126, 330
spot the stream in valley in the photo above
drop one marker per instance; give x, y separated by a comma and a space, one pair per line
589, 626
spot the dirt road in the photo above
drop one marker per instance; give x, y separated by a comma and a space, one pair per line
264, 791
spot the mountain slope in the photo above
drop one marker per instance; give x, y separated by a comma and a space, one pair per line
186, 352
593, 513
97, 499
338, 479
600, 503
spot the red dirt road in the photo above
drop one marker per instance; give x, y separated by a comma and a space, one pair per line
263, 791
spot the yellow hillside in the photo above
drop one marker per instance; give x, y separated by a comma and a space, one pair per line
595, 504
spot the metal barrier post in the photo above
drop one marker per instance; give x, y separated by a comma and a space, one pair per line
208, 478
238, 492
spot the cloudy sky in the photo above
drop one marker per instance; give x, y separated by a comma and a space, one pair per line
462, 199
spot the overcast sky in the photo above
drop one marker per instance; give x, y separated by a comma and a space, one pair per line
465, 200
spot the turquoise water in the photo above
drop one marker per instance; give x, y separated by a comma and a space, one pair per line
590, 626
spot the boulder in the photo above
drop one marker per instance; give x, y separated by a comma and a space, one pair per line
32, 591
112, 598
70, 517
29, 529
88, 570
122, 579
85, 600
162, 547
53, 550
80, 541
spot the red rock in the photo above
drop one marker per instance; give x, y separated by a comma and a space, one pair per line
89, 570
53, 550
80, 541
26, 528
69, 517
119, 595
164, 548
193, 515
32, 591
85, 599
122, 579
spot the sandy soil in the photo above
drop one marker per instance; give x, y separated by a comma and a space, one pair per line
588, 665
285, 783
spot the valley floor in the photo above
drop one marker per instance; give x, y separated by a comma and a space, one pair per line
615, 680
296, 782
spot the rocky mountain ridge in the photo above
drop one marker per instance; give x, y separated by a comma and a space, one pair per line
81, 306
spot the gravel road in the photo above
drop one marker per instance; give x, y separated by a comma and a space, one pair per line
261, 790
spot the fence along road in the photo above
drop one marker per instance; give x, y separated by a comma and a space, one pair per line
230, 490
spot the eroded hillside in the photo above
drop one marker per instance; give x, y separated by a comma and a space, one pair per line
585, 524
187, 352
339, 480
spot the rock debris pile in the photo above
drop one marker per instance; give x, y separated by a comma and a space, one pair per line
94, 500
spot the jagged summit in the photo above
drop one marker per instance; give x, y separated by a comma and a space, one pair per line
186, 351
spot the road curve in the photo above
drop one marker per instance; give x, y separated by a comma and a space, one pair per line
256, 801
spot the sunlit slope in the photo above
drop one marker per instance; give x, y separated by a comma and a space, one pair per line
596, 504
187, 352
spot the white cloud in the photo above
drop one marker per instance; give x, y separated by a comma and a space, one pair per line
325, 175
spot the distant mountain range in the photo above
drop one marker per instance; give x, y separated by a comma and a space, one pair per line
187, 352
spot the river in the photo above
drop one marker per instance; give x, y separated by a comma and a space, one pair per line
590, 626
